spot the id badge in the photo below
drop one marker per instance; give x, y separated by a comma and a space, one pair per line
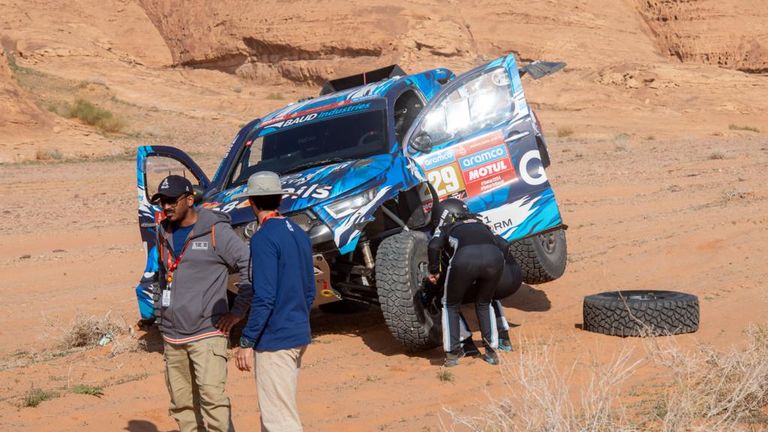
166, 298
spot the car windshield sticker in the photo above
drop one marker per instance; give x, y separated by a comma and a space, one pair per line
314, 114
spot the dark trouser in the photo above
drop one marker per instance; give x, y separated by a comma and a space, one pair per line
502, 326
510, 282
482, 267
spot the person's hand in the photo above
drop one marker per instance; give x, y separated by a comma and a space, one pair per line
433, 277
244, 359
226, 322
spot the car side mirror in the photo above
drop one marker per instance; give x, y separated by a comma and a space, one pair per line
539, 69
198, 191
422, 142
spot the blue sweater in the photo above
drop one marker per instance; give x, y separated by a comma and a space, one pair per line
283, 278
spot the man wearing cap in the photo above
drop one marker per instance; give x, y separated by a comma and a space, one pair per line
283, 292
196, 250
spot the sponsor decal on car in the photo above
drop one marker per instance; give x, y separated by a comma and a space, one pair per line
470, 168
319, 113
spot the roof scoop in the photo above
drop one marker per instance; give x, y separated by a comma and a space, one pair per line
361, 79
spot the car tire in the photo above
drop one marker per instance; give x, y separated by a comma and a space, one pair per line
412, 314
641, 313
543, 257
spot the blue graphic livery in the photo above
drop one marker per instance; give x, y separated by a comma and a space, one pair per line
368, 160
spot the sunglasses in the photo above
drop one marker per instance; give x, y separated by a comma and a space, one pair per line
164, 201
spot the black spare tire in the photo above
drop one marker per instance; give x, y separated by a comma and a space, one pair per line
641, 313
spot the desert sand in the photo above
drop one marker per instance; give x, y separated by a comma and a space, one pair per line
657, 131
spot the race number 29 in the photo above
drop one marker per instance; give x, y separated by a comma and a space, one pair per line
446, 180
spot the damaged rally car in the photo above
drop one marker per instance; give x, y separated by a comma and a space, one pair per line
367, 160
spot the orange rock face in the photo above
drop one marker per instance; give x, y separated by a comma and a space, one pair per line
16, 109
692, 31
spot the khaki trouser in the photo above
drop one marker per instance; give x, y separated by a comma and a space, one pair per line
196, 374
276, 377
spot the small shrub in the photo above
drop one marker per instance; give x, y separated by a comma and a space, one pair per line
713, 390
564, 131
85, 331
11, 61
445, 375
86, 389
543, 396
275, 96
35, 396
717, 155
48, 154
92, 115
743, 128
127, 344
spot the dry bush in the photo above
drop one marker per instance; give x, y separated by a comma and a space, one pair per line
718, 155
127, 344
564, 131
743, 128
544, 398
691, 390
48, 154
35, 396
93, 115
87, 330
710, 390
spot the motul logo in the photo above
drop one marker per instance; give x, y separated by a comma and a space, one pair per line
488, 170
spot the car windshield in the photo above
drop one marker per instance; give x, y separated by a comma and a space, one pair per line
313, 142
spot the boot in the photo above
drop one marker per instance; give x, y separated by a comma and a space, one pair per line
490, 356
452, 357
504, 342
469, 347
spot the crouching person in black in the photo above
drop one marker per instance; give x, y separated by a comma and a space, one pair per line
476, 263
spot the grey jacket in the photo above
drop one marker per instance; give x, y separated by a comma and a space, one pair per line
199, 289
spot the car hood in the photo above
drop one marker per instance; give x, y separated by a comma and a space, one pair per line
311, 187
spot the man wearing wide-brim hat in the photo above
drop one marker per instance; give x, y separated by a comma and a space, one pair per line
283, 291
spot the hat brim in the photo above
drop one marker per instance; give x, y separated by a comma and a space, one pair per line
156, 197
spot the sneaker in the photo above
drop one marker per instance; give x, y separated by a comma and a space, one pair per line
505, 345
469, 347
490, 356
452, 358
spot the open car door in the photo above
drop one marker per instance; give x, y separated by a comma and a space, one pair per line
477, 141
153, 163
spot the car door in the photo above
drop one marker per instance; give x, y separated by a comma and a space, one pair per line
476, 140
153, 163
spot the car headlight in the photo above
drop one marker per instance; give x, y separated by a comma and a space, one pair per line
347, 206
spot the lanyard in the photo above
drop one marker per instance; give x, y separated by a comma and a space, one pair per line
173, 264
270, 215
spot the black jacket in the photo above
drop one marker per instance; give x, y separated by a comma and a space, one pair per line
459, 234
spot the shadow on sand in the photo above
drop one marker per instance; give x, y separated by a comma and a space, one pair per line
368, 323
142, 426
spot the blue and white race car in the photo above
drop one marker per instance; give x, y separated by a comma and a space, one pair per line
367, 160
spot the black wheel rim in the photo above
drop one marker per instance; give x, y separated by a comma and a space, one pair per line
548, 242
428, 304
639, 295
